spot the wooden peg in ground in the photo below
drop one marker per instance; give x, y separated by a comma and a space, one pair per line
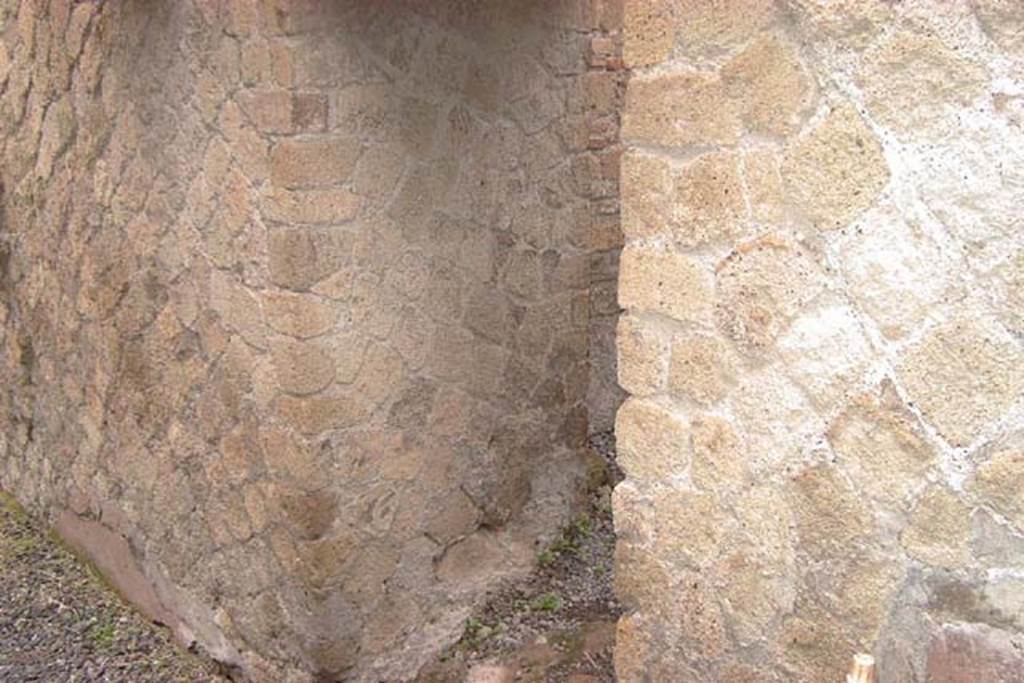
863, 669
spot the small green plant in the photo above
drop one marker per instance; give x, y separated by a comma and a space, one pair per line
103, 632
582, 527
569, 543
547, 602
476, 632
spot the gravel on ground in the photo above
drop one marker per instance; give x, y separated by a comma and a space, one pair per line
60, 622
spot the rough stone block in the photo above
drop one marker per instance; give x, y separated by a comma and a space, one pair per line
680, 110
881, 444
702, 368
835, 170
998, 479
333, 205
708, 203
653, 443
762, 285
659, 279
314, 161
770, 84
938, 529
963, 374
649, 32
643, 356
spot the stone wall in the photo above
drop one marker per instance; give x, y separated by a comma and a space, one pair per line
822, 342
297, 306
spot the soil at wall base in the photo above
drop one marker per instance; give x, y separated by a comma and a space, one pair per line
60, 622
558, 625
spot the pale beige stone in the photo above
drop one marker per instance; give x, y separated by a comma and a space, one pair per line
913, 80
938, 529
771, 85
686, 109
827, 354
653, 443
712, 28
690, 527
1011, 292
963, 374
1002, 21
998, 481
702, 368
764, 188
881, 445
643, 355
835, 170
863, 592
816, 645
719, 461
847, 24
831, 517
649, 31
646, 188
762, 285
661, 280
895, 272
777, 420
708, 202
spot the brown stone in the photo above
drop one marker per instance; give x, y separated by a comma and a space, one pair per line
310, 514
313, 162
964, 653
298, 315
313, 415
112, 555
333, 205
302, 367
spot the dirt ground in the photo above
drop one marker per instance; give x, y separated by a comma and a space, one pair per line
60, 622
558, 625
